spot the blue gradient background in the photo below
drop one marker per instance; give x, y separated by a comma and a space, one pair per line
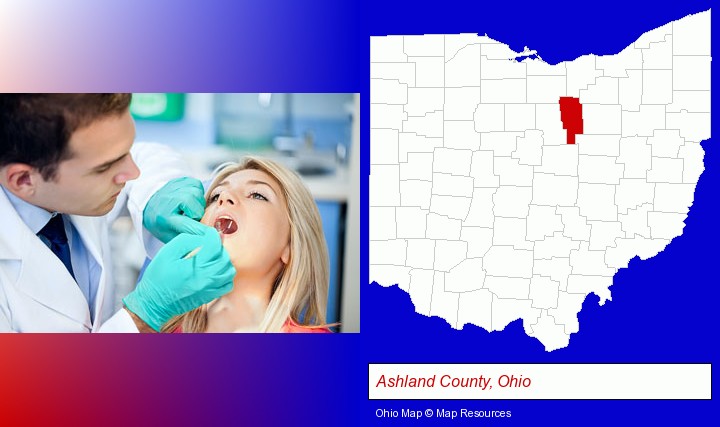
663, 309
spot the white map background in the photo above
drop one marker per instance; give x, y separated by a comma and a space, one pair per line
482, 212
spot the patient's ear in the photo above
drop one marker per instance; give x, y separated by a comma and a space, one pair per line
285, 257
20, 179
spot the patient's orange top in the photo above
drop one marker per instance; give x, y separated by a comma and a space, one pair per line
290, 327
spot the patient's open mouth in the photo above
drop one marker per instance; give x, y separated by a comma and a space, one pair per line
225, 225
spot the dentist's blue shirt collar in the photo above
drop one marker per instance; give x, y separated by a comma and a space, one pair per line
34, 217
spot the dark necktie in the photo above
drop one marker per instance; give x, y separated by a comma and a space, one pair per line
54, 231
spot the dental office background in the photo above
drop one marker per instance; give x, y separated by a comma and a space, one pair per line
317, 135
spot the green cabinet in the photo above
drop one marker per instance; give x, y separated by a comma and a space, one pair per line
165, 107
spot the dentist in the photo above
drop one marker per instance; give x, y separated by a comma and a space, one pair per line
68, 168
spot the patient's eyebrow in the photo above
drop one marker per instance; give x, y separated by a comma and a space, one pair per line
109, 163
249, 182
254, 181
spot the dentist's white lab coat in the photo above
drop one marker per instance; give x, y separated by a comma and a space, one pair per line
37, 293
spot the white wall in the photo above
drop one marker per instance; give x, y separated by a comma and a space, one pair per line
350, 304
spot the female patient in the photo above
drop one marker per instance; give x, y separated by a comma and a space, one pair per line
271, 228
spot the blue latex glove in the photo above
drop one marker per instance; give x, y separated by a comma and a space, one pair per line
175, 208
173, 285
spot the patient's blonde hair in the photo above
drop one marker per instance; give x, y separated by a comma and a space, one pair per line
301, 288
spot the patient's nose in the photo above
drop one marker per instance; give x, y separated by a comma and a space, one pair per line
225, 198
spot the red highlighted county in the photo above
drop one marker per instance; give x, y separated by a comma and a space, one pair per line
571, 116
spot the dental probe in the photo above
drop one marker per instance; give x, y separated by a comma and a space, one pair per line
192, 253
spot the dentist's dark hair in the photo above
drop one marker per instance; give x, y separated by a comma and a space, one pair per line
35, 128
